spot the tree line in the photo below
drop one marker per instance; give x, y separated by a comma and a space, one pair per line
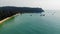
8, 11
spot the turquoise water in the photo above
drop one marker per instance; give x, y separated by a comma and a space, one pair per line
35, 24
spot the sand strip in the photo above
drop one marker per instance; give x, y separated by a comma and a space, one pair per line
7, 18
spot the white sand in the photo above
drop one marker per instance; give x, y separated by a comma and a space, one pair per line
7, 18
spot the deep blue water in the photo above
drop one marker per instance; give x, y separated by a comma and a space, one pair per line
35, 24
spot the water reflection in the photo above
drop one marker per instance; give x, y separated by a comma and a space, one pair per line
30, 15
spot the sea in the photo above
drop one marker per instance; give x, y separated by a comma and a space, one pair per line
47, 22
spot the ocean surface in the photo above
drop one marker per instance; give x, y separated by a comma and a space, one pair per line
47, 22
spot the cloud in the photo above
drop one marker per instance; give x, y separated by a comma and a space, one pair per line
45, 4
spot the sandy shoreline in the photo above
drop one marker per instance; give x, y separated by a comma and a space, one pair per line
7, 18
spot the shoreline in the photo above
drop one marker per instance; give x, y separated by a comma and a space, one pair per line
7, 18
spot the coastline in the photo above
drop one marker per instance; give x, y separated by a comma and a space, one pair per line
7, 18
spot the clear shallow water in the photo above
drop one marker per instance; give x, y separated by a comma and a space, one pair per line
35, 24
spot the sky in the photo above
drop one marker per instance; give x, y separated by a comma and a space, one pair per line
45, 4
